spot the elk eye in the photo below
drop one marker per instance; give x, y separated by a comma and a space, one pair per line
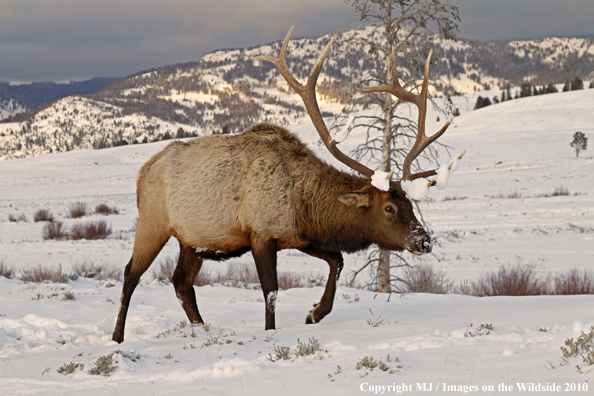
390, 209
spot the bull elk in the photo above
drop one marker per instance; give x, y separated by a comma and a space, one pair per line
262, 191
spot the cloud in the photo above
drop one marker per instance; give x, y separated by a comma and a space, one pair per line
74, 39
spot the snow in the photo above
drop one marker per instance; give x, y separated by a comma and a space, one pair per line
415, 189
442, 177
519, 146
381, 180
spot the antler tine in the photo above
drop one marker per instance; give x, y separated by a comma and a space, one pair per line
420, 100
308, 95
395, 89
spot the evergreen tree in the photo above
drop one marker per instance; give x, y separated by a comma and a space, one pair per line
576, 84
566, 87
525, 90
551, 88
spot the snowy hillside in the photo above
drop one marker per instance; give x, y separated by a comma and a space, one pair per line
228, 90
77, 122
497, 210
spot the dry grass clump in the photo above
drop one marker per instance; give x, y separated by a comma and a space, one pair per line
290, 280
97, 271
524, 280
519, 280
90, 230
6, 270
558, 191
17, 218
236, 275
164, 270
423, 279
77, 210
454, 198
574, 282
54, 230
43, 215
104, 209
40, 273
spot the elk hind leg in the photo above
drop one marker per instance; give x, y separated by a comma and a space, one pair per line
188, 266
147, 246
264, 253
335, 261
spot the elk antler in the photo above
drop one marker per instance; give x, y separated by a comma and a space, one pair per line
308, 95
420, 101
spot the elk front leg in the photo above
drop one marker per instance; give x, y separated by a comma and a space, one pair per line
187, 268
147, 245
264, 253
335, 261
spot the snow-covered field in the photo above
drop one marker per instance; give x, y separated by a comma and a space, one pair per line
434, 342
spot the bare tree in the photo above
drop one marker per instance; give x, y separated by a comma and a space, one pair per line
405, 28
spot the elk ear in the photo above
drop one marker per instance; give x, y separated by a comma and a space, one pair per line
356, 198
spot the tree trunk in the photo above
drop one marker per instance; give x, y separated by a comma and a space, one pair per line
383, 267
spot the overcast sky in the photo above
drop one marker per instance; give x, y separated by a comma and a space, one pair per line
63, 40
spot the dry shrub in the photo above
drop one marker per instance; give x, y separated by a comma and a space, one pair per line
237, 274
6, 270
54, 230
77, 210
43, 215
97, 271
423, 279
165, 269
90, 230
203, 278
40, 273
18, 218
453, 198
560, 191
290, 280
521, 280
104, 209
574, 282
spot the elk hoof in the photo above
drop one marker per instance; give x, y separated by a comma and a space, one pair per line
310, 319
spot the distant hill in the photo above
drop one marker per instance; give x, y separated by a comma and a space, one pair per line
17, 98
228, 90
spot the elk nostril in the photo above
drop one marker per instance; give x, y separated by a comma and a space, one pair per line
427, 245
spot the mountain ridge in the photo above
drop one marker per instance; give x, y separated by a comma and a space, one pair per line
227, 90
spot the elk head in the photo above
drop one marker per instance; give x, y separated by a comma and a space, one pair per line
395, 225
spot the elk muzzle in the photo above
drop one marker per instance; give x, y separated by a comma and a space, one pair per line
426, 246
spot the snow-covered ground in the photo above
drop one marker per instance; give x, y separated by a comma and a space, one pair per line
519, 147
